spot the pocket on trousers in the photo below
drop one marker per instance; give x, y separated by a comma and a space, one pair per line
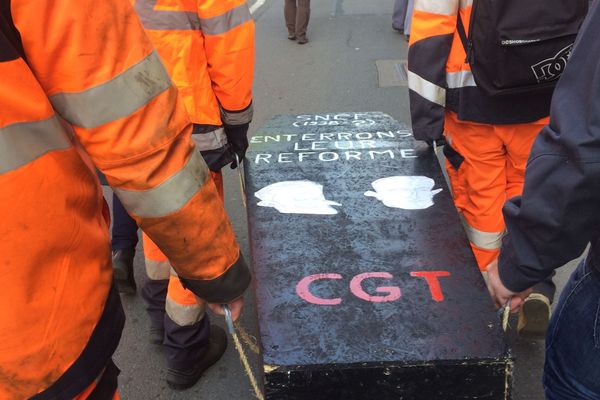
574, 287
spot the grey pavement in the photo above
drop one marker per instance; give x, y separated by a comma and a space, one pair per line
335, 72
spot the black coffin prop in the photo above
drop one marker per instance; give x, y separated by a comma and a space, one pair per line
365, 290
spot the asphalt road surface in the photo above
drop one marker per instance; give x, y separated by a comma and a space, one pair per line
335, 72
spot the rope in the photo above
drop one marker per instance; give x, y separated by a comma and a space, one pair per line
253, 383
249, 340
240, 166
238, 346
505, 315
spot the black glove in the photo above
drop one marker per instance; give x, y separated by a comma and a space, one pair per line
237, 136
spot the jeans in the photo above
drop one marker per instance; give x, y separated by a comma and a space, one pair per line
124, 230
572, 368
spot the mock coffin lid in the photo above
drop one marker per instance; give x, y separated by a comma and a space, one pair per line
346, 153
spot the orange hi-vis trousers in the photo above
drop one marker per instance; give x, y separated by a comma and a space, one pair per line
486, 165
181, 305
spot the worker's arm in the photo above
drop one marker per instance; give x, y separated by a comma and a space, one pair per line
559, 211
104, 78
228, 31
432, 31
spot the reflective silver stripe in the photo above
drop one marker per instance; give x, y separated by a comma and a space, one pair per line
466, 3
184, 315
484, 240
117, 98
212, 140
23, 142
460, 79
227, 21
444, 7
166, 20
187, 20
239, 117
158, 270
169, 196
428, 90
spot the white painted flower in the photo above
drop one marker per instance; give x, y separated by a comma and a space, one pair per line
296, 197
405, 192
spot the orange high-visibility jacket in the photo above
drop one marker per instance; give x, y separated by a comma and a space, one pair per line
81, 83
439, 77
208, 49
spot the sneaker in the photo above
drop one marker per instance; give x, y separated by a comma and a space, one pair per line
291, 36
184, 379
534, 316
122, 260
302, 40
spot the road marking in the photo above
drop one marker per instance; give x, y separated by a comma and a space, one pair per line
256, 6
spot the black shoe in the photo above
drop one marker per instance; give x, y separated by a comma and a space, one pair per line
156, 335
123, 270
184, 379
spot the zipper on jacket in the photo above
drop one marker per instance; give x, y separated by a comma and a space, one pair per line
519, 42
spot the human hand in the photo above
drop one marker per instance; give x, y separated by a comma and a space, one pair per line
237, 136
235, 307
500, 294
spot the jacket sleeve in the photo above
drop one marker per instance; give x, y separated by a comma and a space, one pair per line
559, 211
106, 81
228, 30
432, 32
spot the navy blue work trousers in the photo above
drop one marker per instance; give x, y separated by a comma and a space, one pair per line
124, 229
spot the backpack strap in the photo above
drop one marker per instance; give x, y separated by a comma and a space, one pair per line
462, 33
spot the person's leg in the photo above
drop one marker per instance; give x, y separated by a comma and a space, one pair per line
399, 15
192, 345
518, 139
302, 18
408, 17
186, 327
124, 240
289, 12
476, 167
154, 292
178, 321
572, 367
124, 229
